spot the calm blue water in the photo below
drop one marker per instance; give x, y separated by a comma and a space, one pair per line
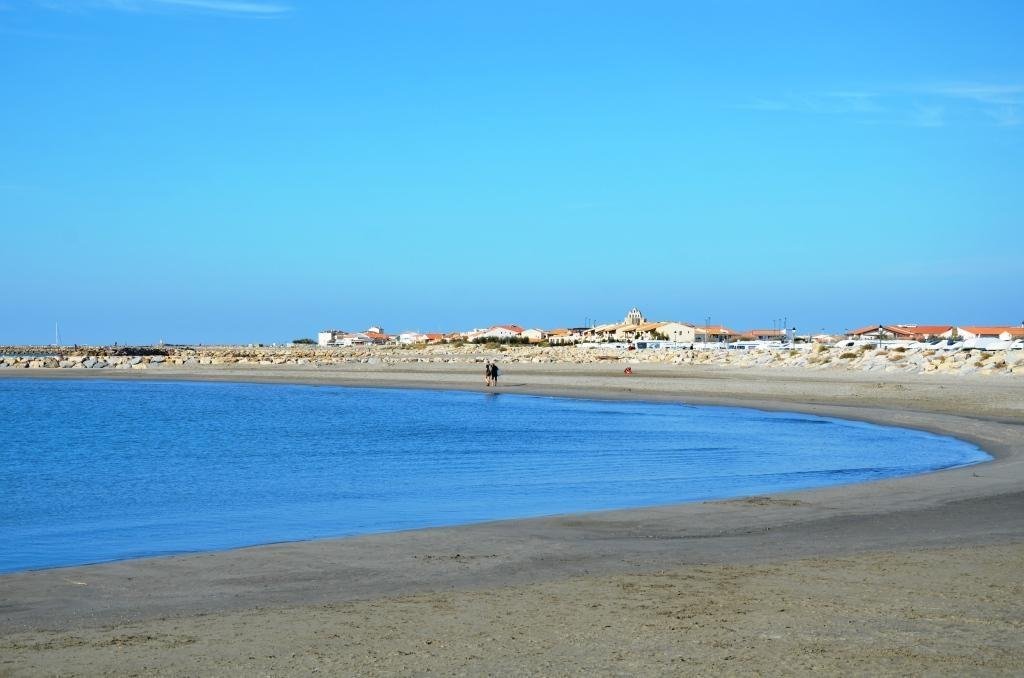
93, 471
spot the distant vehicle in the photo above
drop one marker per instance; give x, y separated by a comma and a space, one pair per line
760, 344
851, 343
986, 344
703, 346
660, 344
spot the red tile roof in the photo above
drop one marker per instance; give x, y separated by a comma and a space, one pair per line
930, 329
512, 328
994, 331
904, 330
891, 329
712, 329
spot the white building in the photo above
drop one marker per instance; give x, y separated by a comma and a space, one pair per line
412, 338
680, 332
604, 331
500, 332
566, 335
632, 332
342, 338
996, 332
328, 337
534, 335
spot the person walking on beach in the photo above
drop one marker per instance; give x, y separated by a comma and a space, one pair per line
488, 373
495, 372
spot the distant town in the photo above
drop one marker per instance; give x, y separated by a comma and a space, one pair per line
636, 329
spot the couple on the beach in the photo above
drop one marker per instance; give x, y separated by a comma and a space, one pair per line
491, 373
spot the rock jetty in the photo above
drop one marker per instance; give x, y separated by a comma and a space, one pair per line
811, 357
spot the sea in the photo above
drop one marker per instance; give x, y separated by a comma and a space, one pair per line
94, 471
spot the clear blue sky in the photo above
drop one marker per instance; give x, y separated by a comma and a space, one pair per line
208, 171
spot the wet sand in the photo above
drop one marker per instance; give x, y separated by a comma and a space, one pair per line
913, 575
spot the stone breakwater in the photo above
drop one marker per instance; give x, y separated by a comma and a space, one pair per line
867, 359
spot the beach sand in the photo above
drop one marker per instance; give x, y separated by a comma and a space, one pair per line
904, 576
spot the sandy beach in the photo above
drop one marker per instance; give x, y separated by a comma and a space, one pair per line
917, 575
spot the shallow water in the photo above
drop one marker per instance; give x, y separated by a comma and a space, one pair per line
93, 471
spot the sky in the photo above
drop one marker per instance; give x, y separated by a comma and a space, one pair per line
207, 171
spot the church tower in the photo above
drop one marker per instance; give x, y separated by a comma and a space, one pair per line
634, 317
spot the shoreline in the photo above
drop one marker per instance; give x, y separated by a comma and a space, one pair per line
577, 382
979, 506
